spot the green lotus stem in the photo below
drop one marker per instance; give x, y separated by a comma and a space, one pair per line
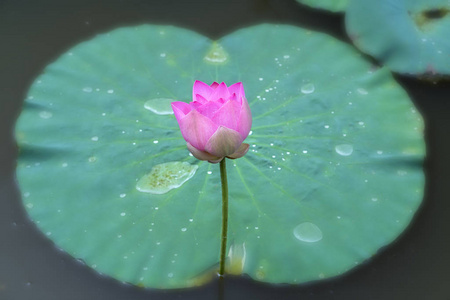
223, 245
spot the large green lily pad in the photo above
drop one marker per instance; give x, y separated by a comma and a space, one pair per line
332, 5
408, 36
333, 174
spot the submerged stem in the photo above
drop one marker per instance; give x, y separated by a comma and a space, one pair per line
223, 245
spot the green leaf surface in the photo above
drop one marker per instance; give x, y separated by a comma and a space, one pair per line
408, 36
331, 5
334, 170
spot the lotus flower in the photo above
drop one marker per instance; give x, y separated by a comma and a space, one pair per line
216, 123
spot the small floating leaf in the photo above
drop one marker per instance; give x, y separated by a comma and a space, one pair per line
334, 170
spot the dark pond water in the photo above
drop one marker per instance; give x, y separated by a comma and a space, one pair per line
34, 33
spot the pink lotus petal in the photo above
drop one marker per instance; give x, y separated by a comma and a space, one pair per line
223, 142
243, 149
197, 129
202, 89
200, 98
180, 109
237, 89
216, 161
228, 115
203, 155
209, 108
216, 122
221, 91
245, 120
195, 104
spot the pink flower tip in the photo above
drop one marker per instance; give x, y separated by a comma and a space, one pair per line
216, 122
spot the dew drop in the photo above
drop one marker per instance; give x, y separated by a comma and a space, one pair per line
308, 88
87, 89
183, 229
122, 214
122, 195
159, 106
110, 91
308, 232
94, 138
362, 91
45, 114
344, 149
401, 172
164, 177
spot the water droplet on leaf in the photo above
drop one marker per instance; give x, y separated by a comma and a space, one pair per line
216, 54
164, 177
237, 256
159, 106
308, 232
45, 114
308, 88
344, 149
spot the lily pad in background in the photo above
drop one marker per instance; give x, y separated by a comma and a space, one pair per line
333, 174
331, 5
410, 37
